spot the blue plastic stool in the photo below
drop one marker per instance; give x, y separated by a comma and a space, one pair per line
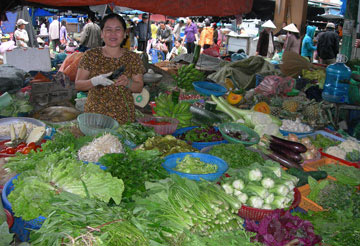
155, 55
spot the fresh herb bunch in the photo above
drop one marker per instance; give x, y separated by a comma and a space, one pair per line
136, 133
202, 134
135, 167
236, 155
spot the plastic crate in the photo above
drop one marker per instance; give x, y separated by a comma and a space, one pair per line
231, 126
171, 162
209, 88
20, 227
197, 145
258, 214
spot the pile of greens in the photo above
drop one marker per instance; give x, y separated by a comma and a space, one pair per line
17, 106
322, 142
176, 205
236, 155
333, 195
202, 134
55, 174
344, 174
336, 227
136, 133
194, 165
135, 167
167, 145
76, 220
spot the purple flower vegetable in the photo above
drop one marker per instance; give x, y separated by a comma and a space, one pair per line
280, 228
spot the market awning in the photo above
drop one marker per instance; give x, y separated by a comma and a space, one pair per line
166, 7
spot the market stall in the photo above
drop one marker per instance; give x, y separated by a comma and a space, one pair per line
245, 152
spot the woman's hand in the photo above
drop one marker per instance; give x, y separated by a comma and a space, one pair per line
122, 80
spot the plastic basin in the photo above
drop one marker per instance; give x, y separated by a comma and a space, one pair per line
170, 163
92, 124
299, 134
234, 127
160, 129
208, 88
197, 145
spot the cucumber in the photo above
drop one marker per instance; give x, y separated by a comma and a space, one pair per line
303, 176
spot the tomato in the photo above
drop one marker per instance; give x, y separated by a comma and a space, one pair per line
10, 150
37, 147
43, 141
26, 150
21, 146
3, 151
31, 145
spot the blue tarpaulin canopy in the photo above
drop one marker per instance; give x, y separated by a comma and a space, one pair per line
40, 12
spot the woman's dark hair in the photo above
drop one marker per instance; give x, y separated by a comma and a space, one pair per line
120, 19
63, 22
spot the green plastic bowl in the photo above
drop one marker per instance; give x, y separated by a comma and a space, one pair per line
232, 126
92, 124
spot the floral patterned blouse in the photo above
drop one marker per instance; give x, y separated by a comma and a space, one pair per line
114, 101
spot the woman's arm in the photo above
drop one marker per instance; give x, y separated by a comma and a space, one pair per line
82, 81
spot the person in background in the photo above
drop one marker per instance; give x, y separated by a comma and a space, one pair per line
164, 35
265, 45
43, 28
293, 41
54, 33
21, 35
1, 32
191, 35
281, 31
90, 35
59, 57
178, 49
154, 27
143, 33
111, 97
340, 30
328, 45
307, 48
206, 36
177, 29
63, 33
216, 33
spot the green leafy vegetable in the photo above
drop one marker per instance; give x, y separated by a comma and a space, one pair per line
343, 174
316, 187
236, 155
322, 142
53, 177
75, 220
353, 156
193, 165
136, 133
135, 167
17, 106
167, 145
5, 236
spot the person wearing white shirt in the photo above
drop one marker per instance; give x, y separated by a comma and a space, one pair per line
178, 49
21, 35
54, 33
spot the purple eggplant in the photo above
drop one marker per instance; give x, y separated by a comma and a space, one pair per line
288, 153
295, 147
284, 161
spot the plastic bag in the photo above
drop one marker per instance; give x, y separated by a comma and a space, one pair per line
212, 51
275, 85
70, 65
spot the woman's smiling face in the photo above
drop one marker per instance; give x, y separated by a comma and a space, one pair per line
113, 33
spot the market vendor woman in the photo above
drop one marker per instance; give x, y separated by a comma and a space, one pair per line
112, 98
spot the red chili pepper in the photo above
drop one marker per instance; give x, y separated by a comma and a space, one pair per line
154, 122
